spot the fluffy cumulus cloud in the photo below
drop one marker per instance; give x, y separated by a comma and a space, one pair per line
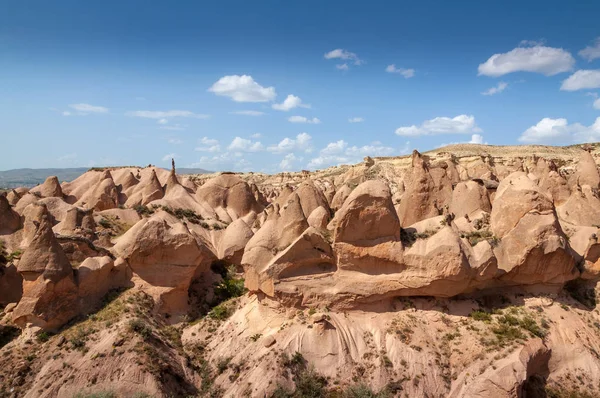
591, 52
345, 55
169, 156
242, 89
407, 73
461, 124
248, 113
289, 103
476, 139
223, 160
289, 162
597, 103
303, 119
548, 61
163, 116
496, 89
356, 120
581, 80
340, 152
240, 144
342, 66
85, 109
553, 130
302, 142
208, 145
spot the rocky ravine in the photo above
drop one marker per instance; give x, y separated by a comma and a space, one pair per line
469, 271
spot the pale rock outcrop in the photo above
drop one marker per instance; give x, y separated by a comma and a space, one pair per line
587, 171
311, 197
283, 195
25, 201
533, 248
102, 196
280, 229
13, 197
368, 215
582, 207
147, 190
96, 276
229, 195
234, 240
318, 218
550, 180
425, 195
49, 289
468, 198
165, 255
49, 188
340, 196
308, 256
507, 379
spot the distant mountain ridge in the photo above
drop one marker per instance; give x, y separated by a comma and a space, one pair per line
31, 177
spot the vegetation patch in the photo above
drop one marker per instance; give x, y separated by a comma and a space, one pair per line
477, 236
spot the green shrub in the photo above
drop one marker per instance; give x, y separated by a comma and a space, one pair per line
141, 328
220, 312
481, 316
310, 384
43, 337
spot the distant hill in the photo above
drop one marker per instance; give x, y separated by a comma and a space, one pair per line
32, 177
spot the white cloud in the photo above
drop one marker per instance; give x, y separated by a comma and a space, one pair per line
208, 141
290, 102
169, 156
248, 113
339, 53
497, 89
302, 119
175, 141
581, 80
476, 139
302, 142
407, 73
287, 163
551, 130
597, 103
66, 113
243, 145
545, 60
256, 135
163, 121
208, 145
370, 150
339, 152
591, 52
242, 89
166, 114
84, 109
342, 66
356, 120
461, 124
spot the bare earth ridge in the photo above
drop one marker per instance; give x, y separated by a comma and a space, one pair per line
465, 271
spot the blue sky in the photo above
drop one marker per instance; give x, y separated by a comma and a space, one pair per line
271, 86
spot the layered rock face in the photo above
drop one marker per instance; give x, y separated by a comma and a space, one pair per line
353, 246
